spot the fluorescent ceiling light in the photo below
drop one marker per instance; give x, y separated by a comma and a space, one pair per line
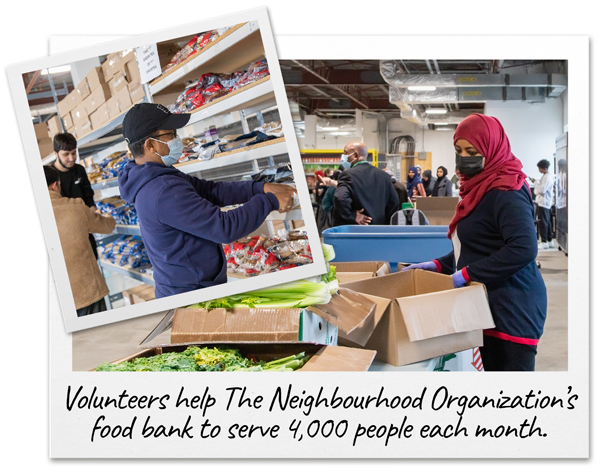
59, 69
436, 111
444, 128
330, 128
421, 88
340, 133
440, 123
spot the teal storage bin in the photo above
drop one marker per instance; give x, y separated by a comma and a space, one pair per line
393, 244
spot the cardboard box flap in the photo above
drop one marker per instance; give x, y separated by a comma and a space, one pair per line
359, 266
381, 306
340, 358
219, 324
345, 277
346, 309
391, 286
452, 311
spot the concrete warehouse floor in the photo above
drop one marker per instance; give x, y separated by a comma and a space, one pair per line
119, 340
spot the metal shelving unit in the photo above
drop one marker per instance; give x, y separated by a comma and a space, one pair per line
222, 55
145, 278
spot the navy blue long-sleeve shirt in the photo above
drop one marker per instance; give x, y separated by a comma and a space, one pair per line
498, 246
183, 227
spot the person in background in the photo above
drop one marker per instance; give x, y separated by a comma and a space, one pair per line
443, 185
399, 187
181, 222
495, 243
414, 185
364, 194
73, 177
544, 198
325, 220
419, 171
428, 182
75, 221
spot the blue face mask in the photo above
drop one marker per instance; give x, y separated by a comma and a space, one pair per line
345, 164
175, 150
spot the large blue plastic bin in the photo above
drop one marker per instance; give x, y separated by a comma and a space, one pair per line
388, 243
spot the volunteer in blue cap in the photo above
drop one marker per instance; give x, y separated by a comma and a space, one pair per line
181, 223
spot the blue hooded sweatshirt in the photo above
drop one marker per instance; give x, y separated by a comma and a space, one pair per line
182, 226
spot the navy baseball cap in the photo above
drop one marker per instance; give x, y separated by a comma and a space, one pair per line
142, 120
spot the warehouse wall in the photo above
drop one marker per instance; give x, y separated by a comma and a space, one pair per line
531, 129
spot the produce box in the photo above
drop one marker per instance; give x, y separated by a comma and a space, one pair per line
353, 271
46, 147
96, 98
117, 82
322, 357
54, 126
99, 117
348, 314
427, 316
141, 293
95, 78
118, 103
438, 210
41, 131
136, 92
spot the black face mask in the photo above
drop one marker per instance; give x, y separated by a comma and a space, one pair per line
469, 166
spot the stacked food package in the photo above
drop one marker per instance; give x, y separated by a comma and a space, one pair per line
127, 251
120, 210
198, 42
212, 86
259, 255
110, 167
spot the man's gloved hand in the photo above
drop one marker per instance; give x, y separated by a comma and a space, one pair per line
458, 279
430, 265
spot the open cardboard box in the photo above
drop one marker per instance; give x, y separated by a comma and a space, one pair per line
439, 210
354, 271
323, 357
427, 316
348, 315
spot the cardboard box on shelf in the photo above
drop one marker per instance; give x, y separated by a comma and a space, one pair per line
79, 115
97, 97
54, 126
99, 117
427, 316
83, 128
41, 131
95, 78
111, 65
132, 71
118, 103
349, 315
438, 210
83, 89
74, 99
68, 121
136, 92
323, 357
353, 271
64, 107
46, 147
139, 294
117, 82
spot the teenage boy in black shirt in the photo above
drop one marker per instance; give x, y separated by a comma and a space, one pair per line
74, 181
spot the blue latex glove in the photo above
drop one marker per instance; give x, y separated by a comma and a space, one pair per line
458, 279
430, 265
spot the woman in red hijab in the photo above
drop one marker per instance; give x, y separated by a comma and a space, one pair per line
495, 243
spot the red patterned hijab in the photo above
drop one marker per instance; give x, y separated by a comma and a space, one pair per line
501, 170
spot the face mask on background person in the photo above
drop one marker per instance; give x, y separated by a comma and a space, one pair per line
345, 164
469, 166
175, 150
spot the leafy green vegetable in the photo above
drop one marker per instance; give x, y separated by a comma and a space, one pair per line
328, 252
195, 358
